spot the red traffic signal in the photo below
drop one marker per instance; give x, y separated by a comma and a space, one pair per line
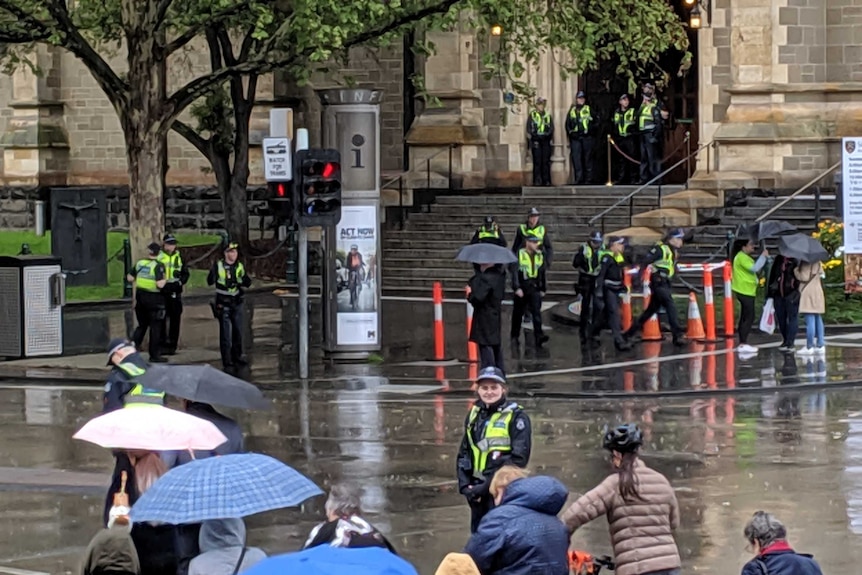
330, 169
318, 180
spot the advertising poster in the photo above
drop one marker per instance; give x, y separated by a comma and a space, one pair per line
356, 270
851, 155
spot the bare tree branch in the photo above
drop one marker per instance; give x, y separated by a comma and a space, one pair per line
162, 12
115, 88
202, 144
184, 96
226, 46
194, 31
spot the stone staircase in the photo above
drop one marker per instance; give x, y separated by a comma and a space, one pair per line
424, 251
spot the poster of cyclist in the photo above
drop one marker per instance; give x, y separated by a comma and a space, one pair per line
356, 245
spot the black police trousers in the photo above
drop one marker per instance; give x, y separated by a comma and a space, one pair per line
626, 168
587, 289
173, 314
150, 313
661, 298
650, 158
606, 312
478, 510
581, 152
541, 149
532, 302
231, 319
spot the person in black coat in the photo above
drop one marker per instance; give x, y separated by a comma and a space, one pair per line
586, 261
496, 433
610, 283
783, 288
529, 285
487, 288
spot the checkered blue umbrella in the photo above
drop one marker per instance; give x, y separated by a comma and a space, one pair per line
220, 487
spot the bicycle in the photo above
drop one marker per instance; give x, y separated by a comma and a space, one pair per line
583, 563
353, 284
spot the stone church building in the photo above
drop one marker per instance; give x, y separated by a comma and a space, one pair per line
774, 85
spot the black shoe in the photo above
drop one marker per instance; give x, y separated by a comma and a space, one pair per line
623, 345
543, 338
169, 351
680, 341
629, 334
158, 359
242, 360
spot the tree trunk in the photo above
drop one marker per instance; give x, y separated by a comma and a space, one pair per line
144, 125
235, 201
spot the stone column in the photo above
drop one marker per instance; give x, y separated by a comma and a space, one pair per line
458, 122
35, 144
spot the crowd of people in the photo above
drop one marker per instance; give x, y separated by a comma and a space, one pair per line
157, 283
636, 133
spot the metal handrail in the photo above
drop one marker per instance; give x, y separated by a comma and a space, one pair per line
629, 197
400, 179
391, 181
813, 181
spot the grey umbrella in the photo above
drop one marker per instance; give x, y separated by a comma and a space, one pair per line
767, 229
485, 254
803, 248
205, 384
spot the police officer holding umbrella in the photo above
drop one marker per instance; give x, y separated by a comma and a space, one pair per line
229, 277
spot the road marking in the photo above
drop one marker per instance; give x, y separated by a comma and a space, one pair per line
13, 571
53, 387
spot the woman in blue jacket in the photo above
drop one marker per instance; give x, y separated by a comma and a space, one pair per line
522, 534
767, 538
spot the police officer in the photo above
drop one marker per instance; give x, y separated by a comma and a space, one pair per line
586, 261
609, 286
624, 136
663, 258
649, 128
580, 128
529, 285
121, 388
540, 132
177, 275
497, 433
489, 233
532, 227
149, 278
229, 277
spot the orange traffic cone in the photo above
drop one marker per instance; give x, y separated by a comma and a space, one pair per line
652, 329
695, 324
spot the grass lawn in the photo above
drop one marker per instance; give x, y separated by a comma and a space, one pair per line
11, 240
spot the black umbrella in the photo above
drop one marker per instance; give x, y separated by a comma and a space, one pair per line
803, 248
205, 384
767, 229
485, 254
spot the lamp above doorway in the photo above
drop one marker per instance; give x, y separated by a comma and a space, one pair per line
696, 16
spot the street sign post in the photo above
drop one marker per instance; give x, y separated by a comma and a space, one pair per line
277, 160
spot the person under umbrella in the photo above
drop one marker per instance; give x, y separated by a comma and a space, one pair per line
487, 288
223, 549
344, 525
783, 288
812, 305
229, 427
744, 284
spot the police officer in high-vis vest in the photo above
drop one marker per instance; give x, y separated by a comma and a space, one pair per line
581, 125
149, 279
540, 132
229, 277
586, 261
663, 259
489, 233
649, 127
529, 285
532, 227
625, 133
610, 285
497, 433
121, 389
177, 275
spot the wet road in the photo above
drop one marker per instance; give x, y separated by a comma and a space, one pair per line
733, 436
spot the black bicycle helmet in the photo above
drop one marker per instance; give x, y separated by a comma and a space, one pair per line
623, 438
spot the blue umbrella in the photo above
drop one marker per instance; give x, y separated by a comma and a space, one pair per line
326, 560
218, 487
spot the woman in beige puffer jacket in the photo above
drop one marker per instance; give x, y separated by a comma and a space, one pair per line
641, 508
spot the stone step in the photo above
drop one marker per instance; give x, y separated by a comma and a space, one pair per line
724, 181
638, 235
692, 199
662, 218
584, 191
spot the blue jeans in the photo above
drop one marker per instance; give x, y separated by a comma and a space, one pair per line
814, 327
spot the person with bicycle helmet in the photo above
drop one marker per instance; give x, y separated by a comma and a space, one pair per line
640, 506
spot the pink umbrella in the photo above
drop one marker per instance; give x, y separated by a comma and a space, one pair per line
151, 428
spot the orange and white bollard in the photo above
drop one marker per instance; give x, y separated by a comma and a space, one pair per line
709, 304
728, 299
695, 325
472, 348
439, 337
652, 328
626, 312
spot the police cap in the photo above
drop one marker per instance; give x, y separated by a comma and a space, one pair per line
533, 212
532, 238
676, 234
170, 239
492, 373
596, 236
231, 246
489, 220
154, 249
116, 345
581, 94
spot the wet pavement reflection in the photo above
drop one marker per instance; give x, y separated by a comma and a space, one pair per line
734, 435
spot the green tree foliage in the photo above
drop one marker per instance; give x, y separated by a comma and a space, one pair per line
246, 38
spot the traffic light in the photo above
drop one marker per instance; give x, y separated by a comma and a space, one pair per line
318, 183
280, 198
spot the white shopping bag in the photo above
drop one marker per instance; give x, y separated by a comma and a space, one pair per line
767, 320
